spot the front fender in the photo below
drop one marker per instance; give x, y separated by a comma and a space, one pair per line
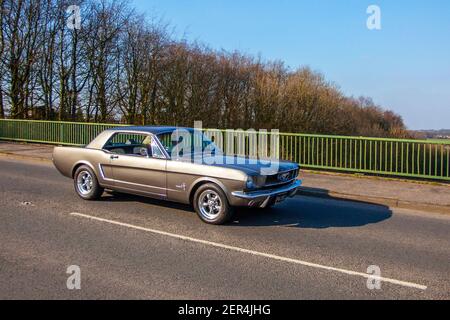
203, 180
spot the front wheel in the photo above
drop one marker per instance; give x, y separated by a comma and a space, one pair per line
211, 204
86, 184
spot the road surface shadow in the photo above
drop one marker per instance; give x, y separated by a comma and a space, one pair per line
298, 212
315, 213
114, 196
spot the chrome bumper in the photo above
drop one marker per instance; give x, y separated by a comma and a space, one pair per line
262, 198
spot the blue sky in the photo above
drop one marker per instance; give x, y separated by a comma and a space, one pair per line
405, 66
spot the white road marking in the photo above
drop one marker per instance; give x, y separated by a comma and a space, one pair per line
252, 252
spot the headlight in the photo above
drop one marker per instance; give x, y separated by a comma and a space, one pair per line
250, 184
255, 182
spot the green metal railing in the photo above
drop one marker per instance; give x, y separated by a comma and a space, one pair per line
395, 157
427, 159
54, 132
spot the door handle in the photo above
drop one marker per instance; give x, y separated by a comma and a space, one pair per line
114, 157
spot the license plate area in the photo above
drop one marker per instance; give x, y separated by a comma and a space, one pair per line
281, 197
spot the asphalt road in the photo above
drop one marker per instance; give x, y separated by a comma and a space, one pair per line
133, 247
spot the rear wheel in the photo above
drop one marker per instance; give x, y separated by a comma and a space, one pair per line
86, 184
211, 204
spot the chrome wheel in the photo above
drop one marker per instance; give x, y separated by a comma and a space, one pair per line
210, 204
84, 182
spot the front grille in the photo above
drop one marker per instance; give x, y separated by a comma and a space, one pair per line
281, 178
275, 186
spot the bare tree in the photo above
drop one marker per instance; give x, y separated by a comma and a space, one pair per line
122, 67
2, 49
105, 25
21, 32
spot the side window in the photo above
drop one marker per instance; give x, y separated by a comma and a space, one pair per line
166, 140
134, 144
128, 144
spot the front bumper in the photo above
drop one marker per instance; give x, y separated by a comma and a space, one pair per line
262, 198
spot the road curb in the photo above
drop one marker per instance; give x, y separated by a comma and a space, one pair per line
375, 177
389, 202
23, 157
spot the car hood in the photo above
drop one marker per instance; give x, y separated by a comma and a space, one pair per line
250, 166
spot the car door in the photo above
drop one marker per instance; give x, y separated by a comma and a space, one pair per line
139, 172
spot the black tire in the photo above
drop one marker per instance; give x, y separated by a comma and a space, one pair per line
84, 176
219, 210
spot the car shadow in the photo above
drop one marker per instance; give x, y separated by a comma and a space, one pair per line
319, 212
325, 211
301, 211
114, 196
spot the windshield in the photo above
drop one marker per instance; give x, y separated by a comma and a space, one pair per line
181, 142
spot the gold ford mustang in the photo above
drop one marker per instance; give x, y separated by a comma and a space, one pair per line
159, 162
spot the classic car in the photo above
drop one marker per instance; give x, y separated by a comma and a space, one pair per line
141, 160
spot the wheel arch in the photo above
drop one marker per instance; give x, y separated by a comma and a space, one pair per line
201, 181
82, 163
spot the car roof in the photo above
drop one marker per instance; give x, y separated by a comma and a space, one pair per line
151, 129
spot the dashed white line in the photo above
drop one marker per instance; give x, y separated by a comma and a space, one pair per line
253, 252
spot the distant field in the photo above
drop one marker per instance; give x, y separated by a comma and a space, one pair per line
439, 140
